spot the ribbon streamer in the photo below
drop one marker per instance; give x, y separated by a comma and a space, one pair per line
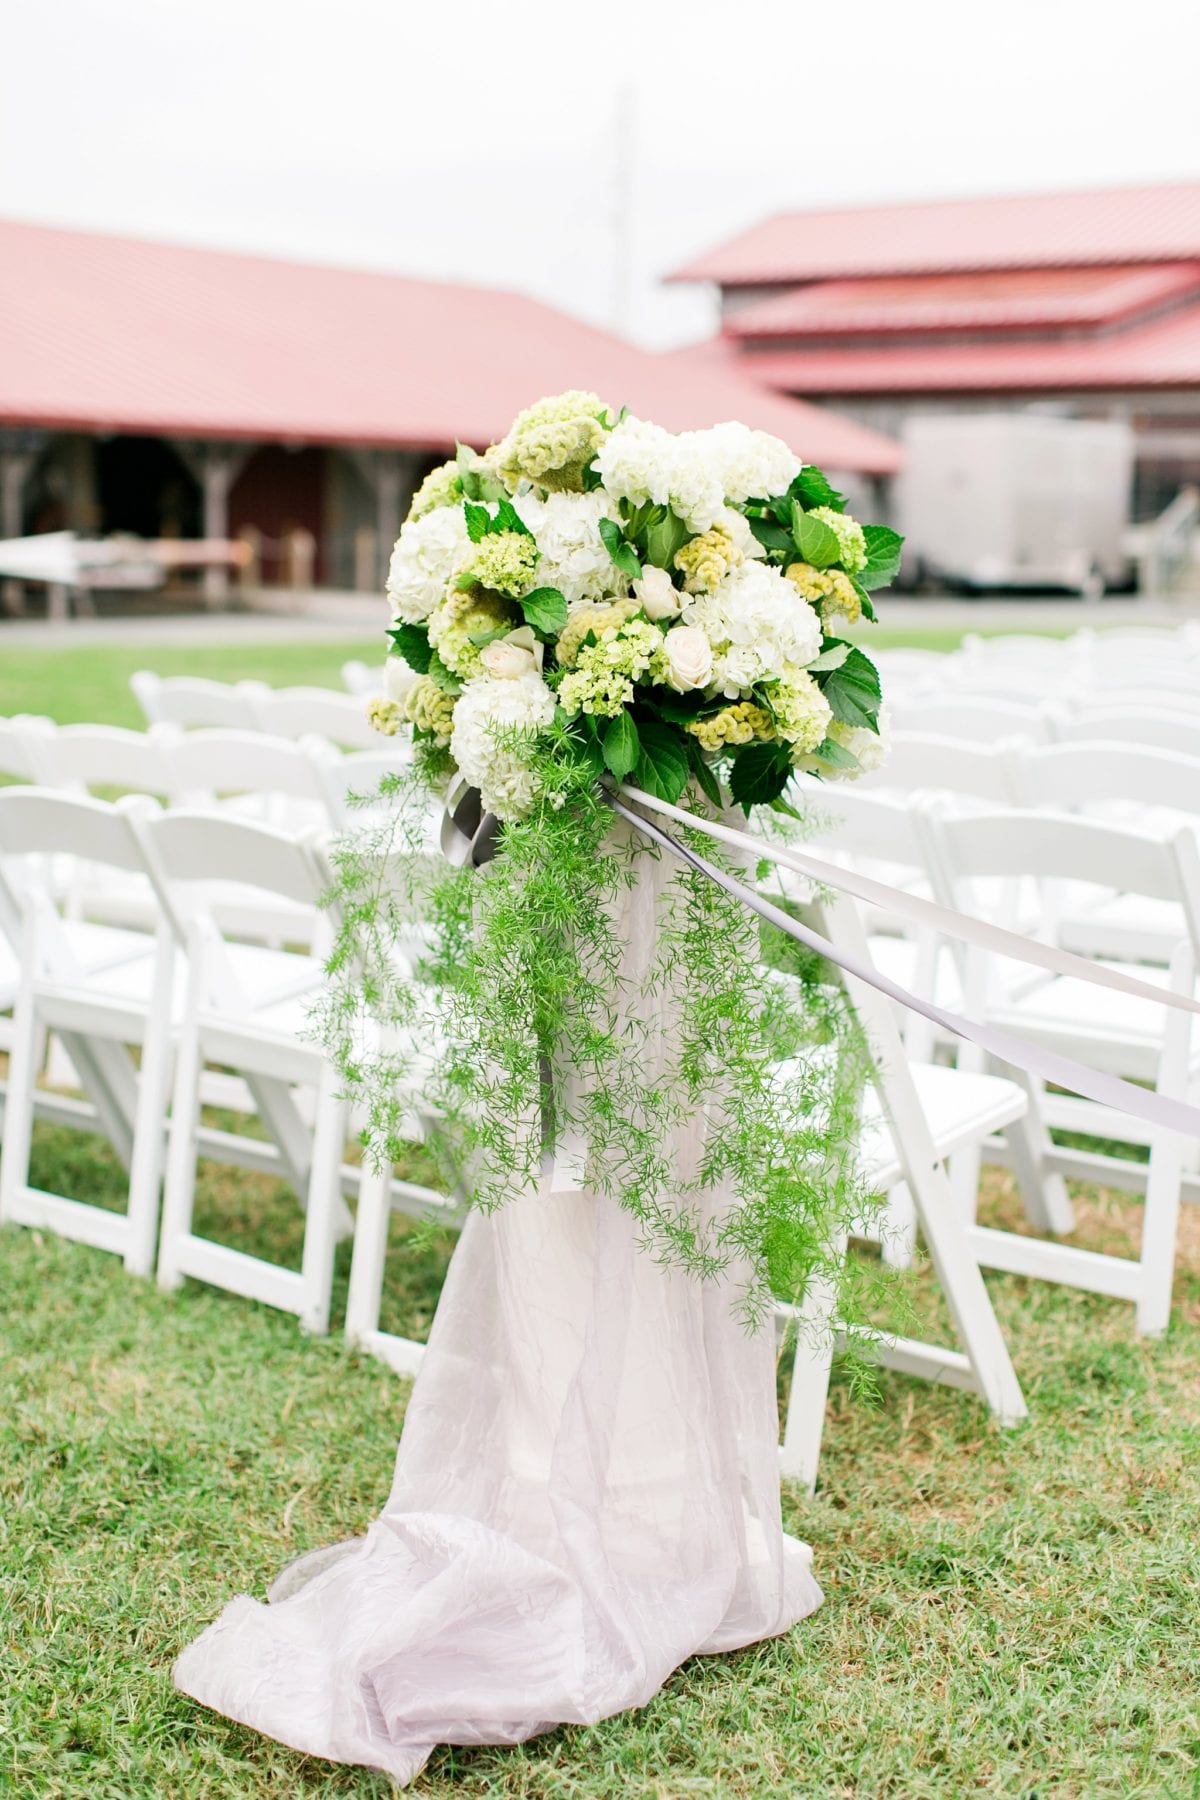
1017, 1052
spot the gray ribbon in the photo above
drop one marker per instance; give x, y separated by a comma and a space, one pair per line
1048, 1065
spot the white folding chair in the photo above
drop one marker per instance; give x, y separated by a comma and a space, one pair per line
1122, 784
915, 1120
355, 776
1157, 728
921, 760
82, 758
252, 774
1121, 1034
974, 719
247, 1009
21, 741
360, 679
299, 712
99, 1000
191, 700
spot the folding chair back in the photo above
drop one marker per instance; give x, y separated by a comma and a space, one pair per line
22, 744
1154, 728
975, 720
1086, 774
922, 760
190, 700
84, 757
311, 711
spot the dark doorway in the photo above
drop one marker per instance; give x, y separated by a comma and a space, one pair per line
278, 491
143, 487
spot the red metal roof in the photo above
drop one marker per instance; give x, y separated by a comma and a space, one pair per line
1049, 231
1162, 354
994, 300
111, 334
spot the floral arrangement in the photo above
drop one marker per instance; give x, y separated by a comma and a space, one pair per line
677, 601
592, 600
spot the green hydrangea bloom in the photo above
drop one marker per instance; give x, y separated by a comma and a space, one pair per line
602, 680
852, 545
802, 713
461, 617
505, 562
441, 487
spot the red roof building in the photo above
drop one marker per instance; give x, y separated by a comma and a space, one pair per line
1087, 302
173, 391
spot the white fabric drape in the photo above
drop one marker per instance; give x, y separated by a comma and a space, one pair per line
586, 1494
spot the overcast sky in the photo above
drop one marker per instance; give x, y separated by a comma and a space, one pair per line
492, 143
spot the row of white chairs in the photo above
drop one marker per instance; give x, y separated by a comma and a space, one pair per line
144, 1014
293, 712
1025, 665
1094, 885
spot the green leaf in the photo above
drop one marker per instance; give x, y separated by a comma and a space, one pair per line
832, 657
865, 600
678, 708
836, 755
853, 691
759, 773
704, 772
622, 554
664, 537
509, 519
815, 540
770, 535
662, 765
811, 488
622, 746
883, 556
412, 642
586, 745
546, 610
440, 675
479, 520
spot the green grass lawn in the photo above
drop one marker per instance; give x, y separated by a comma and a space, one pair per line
1009, 1614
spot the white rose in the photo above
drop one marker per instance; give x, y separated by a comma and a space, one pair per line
689, 658
398, 678
658, 594
506, 660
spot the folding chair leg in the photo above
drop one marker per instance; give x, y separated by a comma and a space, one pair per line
1160, 1225
324, 1203
18, 1111
108, 1080
804, 1426
179, 1187
370, 1251
965, 1170
1043, 1191
898, 1232
149, 1132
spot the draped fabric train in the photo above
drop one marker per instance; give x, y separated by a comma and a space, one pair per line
586, 1494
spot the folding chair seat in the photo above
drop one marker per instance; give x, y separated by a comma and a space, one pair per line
1122, 1034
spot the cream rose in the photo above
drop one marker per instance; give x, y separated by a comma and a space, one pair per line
508, 658
689, 658
658, 594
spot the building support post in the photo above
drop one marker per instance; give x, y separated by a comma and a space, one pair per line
215, 467
17, 457
391, 476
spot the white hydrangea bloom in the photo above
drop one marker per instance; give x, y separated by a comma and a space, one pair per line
486, 714
750, 465
757, 626
429, 553
640, 462
573, 554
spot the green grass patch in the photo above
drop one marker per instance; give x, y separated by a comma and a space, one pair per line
89, 683
1007, 1614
